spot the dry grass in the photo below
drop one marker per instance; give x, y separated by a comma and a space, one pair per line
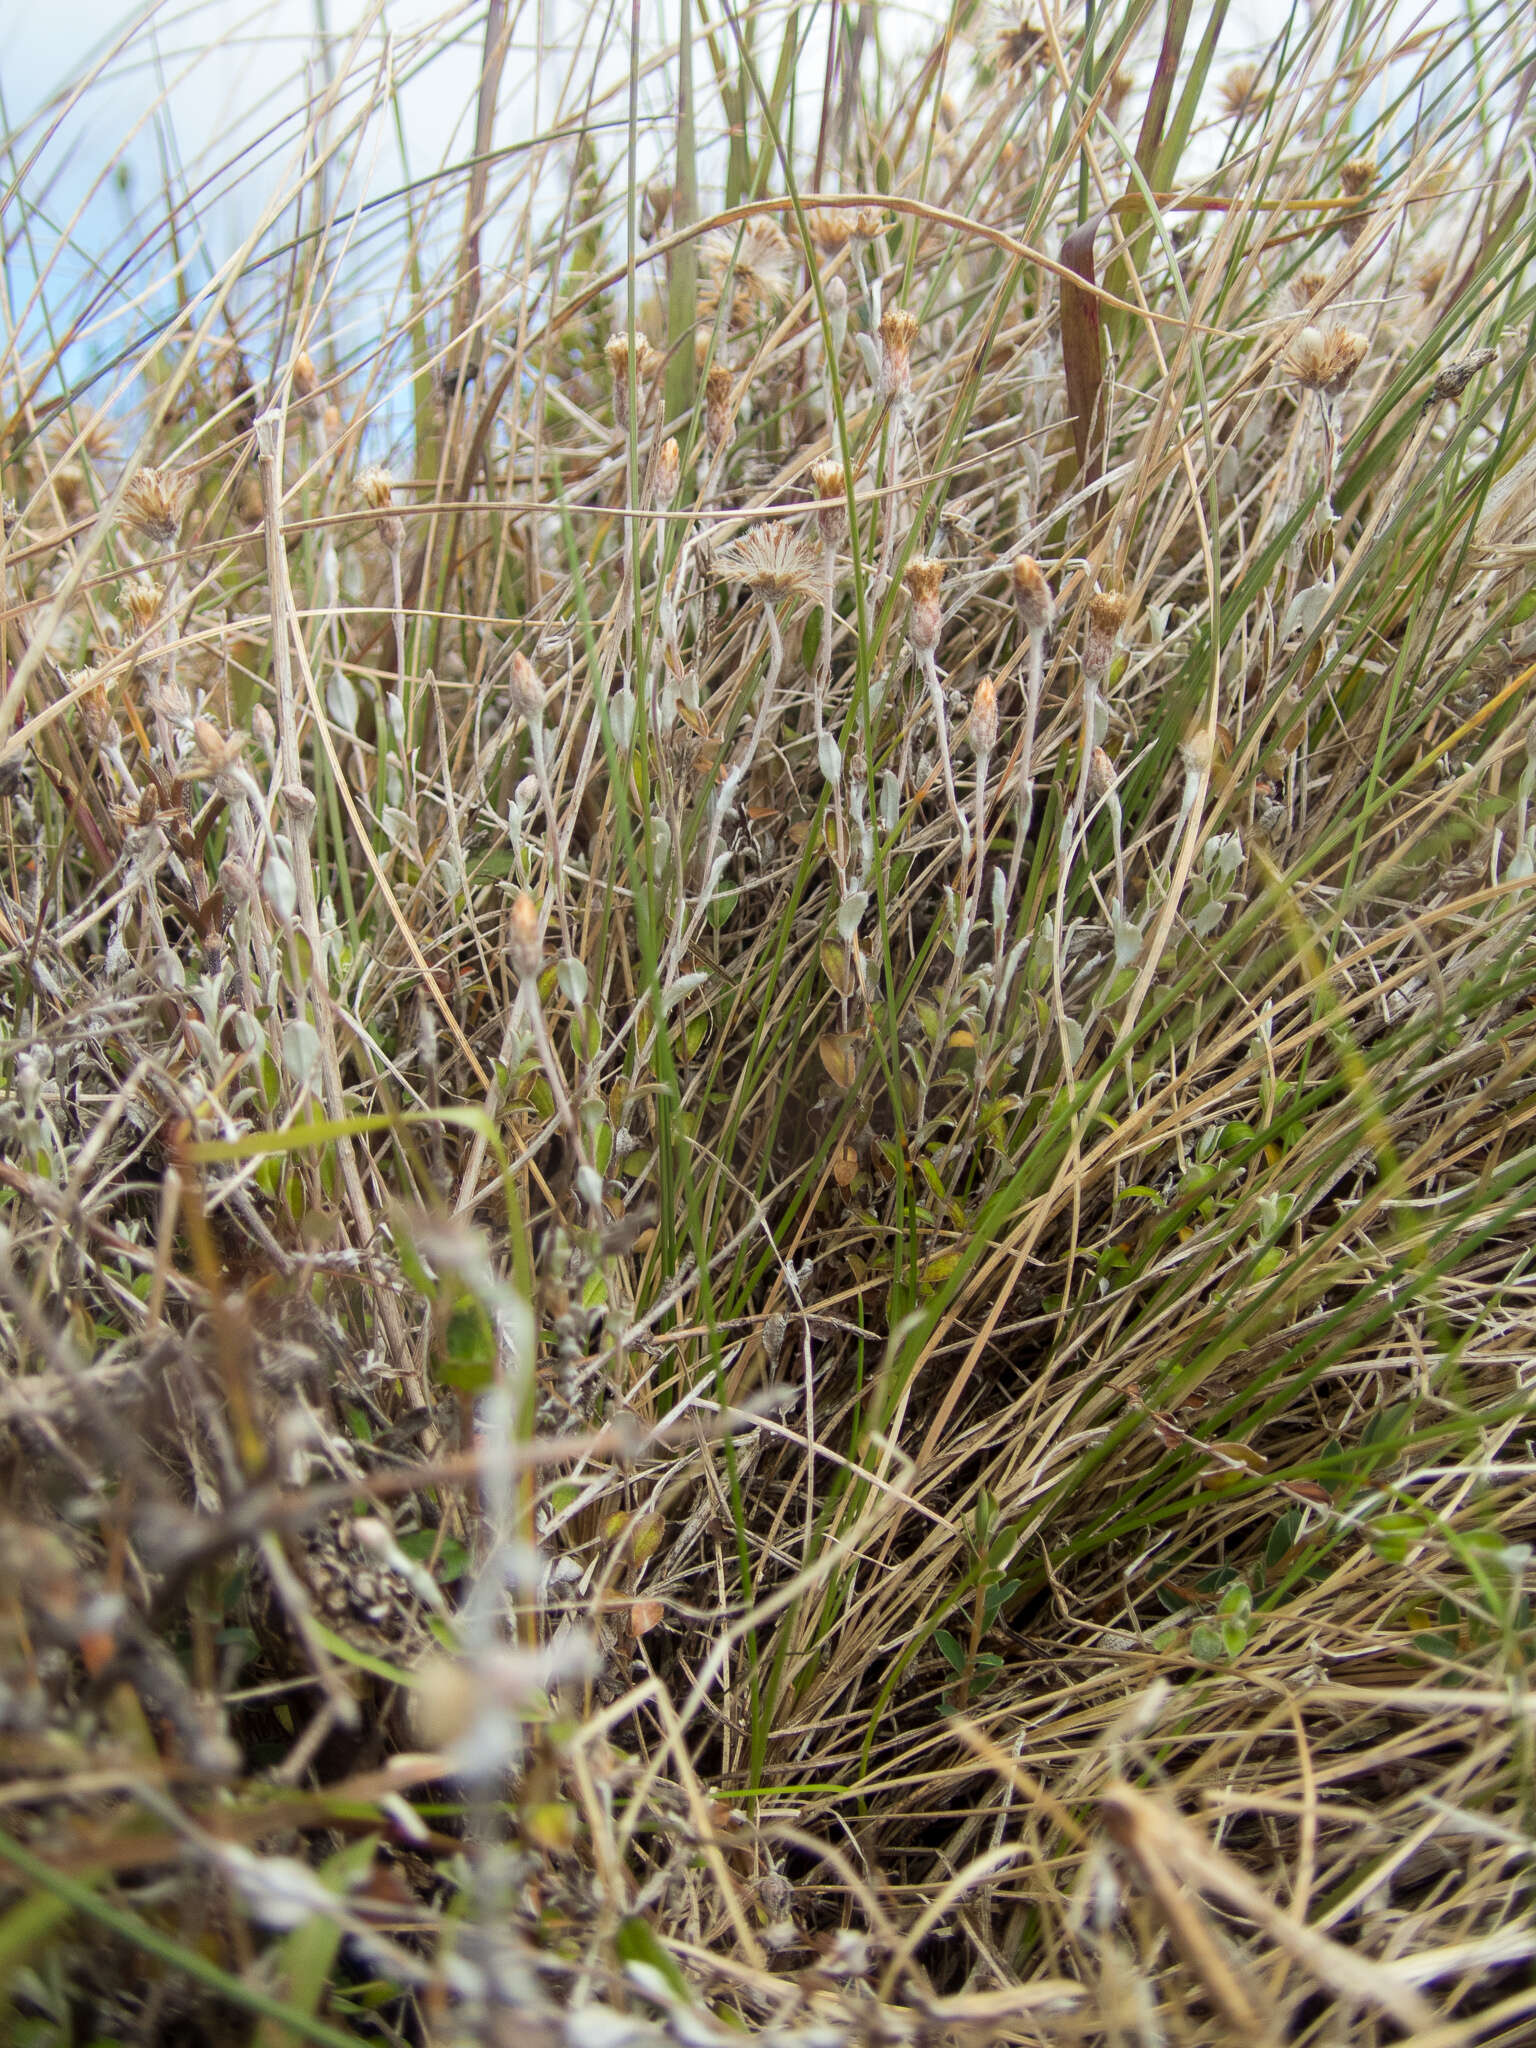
757, 1272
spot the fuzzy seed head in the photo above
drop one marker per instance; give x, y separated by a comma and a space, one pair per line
898, 331
1106, 615
1019, 44
984, 717
1196, 750
752, 266
774, 562
1326, 360
525, 938
1307, 287
924, 579
1032, 595
525, 689
154, 502
1238, 91
831, 230
1358, 175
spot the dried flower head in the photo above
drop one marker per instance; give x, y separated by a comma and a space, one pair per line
668, 473
1106, 615
1326, 361
774, 562
140, 604
718, 409
525, 689
1021, 42
217, 754
92, 438
869, 223
1357, 178
1455, 377
154, 502
1238, 91
984, 724
831, 230
924, 580
752, 265
1101, 775
306, 379
525, 937
617, 349
376, 488
1307, 287
86, 687
830, 483
1032, 595
898, 331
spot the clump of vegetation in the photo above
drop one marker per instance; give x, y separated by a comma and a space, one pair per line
765, 870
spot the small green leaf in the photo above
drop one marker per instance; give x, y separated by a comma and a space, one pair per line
949, 1649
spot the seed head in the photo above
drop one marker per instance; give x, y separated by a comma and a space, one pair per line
831, 484
1307, 286
525, 689
898, 331
718, 410
525, 938
140, 604
1358, 175
774, 563
753, 266
1106, 615
1238, 91
376, 488
984, 717
1101, 775
95, 707
617, 349
1455, 377
1326, 361
668, 472
154, 502
831, 230
923, 579
868, 223
1019, 44
1032, 595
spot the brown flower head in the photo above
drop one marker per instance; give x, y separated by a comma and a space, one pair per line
668, 473
718, 409
1032, 595
525, 689
924, 580
618, 349
154, 502
1020, 43
376, 488
1101, 775
1307, 286
831, 486
869, 223
1358, 175
95, 707
1326, 361
217, 754
898, 331
1106, 615
984, 717
774, 562
140, 604
525, 937
1238, 91
831, 230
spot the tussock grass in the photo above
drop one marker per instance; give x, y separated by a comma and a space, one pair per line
766, 868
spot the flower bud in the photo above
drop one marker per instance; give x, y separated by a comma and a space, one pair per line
1032, 595
831, 485
898, 331
923, 580
1106, 615
984, 717
668, 472
525, 690
525, 939
376, 488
